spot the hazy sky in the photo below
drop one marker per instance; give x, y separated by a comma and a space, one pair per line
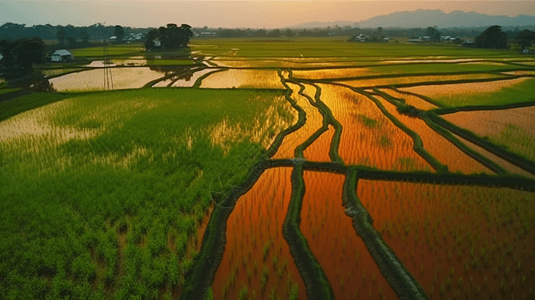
253, 14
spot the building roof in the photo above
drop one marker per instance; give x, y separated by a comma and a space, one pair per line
62, 52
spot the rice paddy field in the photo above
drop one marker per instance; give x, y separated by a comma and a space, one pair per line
271, 169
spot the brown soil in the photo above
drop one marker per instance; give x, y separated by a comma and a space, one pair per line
350, 269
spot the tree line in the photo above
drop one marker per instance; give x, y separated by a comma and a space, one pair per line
78, 34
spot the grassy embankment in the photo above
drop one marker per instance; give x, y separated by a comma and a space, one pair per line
323, 47
103, 191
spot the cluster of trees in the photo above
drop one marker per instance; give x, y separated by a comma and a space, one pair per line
22, 54
171, 37
494, 38
525, 38
77, 34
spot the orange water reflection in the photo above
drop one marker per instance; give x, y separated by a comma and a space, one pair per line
414, 79
463, 242
255, 245
369, 138
442, 149
314, 121
350, 269
415, 101
267, 79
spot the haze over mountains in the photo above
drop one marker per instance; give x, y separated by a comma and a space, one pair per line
425, 18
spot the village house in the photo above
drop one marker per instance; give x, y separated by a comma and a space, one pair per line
61, 55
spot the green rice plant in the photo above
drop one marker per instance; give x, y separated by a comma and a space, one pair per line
273, 294
265, 250
275, 260
294, 292
243, 293
264, 278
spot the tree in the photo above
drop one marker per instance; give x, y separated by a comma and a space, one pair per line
433, 34
119, 32
289, 33
85, 36
492, 38
149, 39
171, 36
524, 39
60, 34
71, 41
379, 32
275, 33
23, 53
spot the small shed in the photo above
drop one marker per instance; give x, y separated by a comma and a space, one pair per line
61, 55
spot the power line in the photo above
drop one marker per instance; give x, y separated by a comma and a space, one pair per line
108, 78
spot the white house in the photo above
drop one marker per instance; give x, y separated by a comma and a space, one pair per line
61, 55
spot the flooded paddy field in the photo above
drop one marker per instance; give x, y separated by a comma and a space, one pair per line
388, 171
478, 93
348, 265
266, 79
510, 127
458, 241
92, 80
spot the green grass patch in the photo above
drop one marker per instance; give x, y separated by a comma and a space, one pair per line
28, 102
331, 47
102, 191
521, 92
517, 140
9, 90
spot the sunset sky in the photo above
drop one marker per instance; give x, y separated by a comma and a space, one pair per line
230, 14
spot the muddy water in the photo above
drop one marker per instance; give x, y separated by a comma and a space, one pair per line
414, 79
411, 100
123, 78
350, 269
369, 138
267, 79
462, 242
442, 149
314, 121
255, 244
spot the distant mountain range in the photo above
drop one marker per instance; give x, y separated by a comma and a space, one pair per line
425, 18
310, 25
